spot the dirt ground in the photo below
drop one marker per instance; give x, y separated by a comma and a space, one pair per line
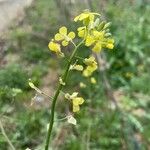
11, 11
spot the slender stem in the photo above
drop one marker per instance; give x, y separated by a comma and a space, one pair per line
6, 137
60, 86
79, 57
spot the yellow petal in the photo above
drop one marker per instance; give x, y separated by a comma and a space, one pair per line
81, 28
97, 48
110, 46
89, 40
92, 68
81, 100
110, 41
99, 35
59, 37
71, 35
78, 101
90, 60
65, 43
81, 33
75, 101
76, 18
55, 47
91, 17
63, 30
86, 73
83, 16
76, 108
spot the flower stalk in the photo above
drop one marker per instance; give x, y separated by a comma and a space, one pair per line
60, 86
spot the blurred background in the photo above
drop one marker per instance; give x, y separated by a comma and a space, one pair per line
116, 114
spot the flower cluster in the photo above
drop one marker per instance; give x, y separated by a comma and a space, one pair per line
95, 33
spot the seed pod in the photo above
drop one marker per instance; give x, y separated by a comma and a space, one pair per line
96, 23
101, 25
107, 25
107, 34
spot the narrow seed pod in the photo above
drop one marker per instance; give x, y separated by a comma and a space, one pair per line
101, 25
108, 34
107, 25
96, 23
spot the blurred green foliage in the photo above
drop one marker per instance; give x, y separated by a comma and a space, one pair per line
13, 76
130, 29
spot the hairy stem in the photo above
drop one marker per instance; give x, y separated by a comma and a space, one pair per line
60, 86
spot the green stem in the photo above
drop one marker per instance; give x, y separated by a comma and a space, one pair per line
60, 86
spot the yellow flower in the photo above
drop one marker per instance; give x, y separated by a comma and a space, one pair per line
90, 61
64, 37
89, 70
76, 101
93, 80
55, 47
91, 66
86, 17
68, 96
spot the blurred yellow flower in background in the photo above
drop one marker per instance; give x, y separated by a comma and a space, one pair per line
93, 80
82, 85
